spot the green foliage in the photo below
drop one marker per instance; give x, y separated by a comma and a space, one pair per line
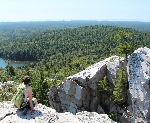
103, 85
119, 91
10, 70
7, 89
114, 117
125, 48
41, 87
105, 90
93, 41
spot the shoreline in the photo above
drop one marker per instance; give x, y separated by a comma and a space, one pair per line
14, 63
27, 62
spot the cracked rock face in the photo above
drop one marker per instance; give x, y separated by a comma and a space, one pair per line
43, 114
139, 83
80, 91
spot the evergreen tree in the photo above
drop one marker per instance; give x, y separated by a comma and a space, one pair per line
103, 85
104, 90
119, 92
124, 48
10, 70
123, 38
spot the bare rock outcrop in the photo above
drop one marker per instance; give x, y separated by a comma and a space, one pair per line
43, 114
80, 91
139, 85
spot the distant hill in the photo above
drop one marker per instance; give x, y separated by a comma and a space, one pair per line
11, 30
42, 25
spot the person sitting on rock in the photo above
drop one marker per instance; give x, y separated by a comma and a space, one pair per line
28, 102
31, 102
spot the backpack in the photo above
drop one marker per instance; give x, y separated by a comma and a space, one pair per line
18, 97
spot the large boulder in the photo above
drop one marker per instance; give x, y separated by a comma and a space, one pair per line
80, 91
139, 84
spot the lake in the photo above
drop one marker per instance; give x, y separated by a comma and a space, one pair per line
4, 63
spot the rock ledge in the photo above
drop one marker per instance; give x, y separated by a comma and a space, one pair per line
44, 114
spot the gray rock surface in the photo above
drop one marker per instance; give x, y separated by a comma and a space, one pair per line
80, 91
43, 114
139, 84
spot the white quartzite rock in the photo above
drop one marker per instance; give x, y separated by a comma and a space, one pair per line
139, 84
80, 91
43, 114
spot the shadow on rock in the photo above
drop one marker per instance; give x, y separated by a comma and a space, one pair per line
29, 115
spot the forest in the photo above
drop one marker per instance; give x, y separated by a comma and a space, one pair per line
56, 52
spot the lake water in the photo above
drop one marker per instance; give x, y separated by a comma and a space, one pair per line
4, 63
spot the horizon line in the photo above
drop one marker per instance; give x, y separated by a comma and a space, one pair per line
76, 20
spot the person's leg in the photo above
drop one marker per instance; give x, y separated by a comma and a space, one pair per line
27, 107
35, 101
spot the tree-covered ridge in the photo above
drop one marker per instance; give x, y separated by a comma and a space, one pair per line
82, 41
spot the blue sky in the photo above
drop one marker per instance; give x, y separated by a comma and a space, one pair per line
44, 10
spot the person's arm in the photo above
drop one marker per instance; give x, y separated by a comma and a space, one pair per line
30, 98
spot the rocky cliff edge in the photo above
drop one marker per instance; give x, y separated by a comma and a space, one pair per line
43, 114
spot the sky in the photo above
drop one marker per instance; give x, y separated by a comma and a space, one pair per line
58, 10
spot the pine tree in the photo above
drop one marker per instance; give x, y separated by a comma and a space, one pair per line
105, 90
119, 92
103, 85
10, 70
